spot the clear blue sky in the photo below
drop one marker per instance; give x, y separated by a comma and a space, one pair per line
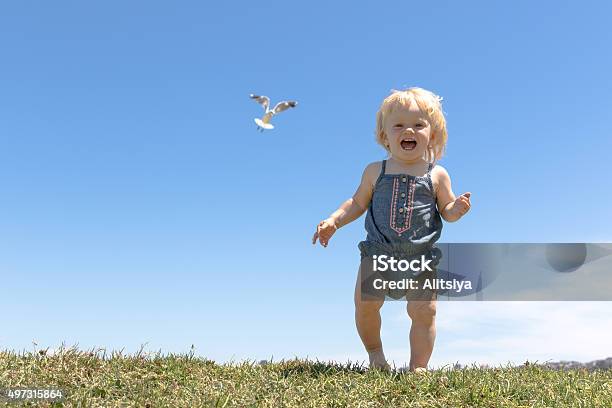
140, 205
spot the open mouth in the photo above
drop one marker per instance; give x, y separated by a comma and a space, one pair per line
408, 144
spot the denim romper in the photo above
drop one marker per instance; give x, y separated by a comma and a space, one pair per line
402, 220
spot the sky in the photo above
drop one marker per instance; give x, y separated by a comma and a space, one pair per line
141, 207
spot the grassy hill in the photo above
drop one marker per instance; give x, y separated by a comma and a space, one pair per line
92, 378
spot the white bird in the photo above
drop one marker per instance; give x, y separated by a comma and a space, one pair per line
264, 122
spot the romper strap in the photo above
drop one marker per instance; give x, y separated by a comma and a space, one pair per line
382, 171
431, 166
429, 181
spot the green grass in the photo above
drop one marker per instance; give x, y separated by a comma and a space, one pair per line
95, 379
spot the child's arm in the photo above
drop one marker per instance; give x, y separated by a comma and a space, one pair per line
451, 208
351, 209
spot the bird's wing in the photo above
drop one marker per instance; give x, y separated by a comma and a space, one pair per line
284, 105
264, 100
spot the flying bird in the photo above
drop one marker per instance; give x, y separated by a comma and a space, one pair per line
264, 122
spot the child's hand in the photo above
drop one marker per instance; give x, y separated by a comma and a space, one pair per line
461, 205
325, 230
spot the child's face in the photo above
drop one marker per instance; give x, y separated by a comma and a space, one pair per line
408, 132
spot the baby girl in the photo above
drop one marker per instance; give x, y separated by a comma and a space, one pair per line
406, 198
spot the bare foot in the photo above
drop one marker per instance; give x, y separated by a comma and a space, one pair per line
380, 365
378, 360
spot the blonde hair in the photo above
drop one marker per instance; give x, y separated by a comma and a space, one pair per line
430, 104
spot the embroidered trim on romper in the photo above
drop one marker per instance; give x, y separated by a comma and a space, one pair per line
408, 215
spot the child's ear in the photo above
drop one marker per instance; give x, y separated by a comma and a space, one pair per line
385, 140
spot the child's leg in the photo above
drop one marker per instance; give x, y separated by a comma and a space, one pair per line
422, 331
367, 319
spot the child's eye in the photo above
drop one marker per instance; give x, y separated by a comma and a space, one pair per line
420, 125
398, 125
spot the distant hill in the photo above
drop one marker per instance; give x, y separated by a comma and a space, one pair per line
575, 365
604, 364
